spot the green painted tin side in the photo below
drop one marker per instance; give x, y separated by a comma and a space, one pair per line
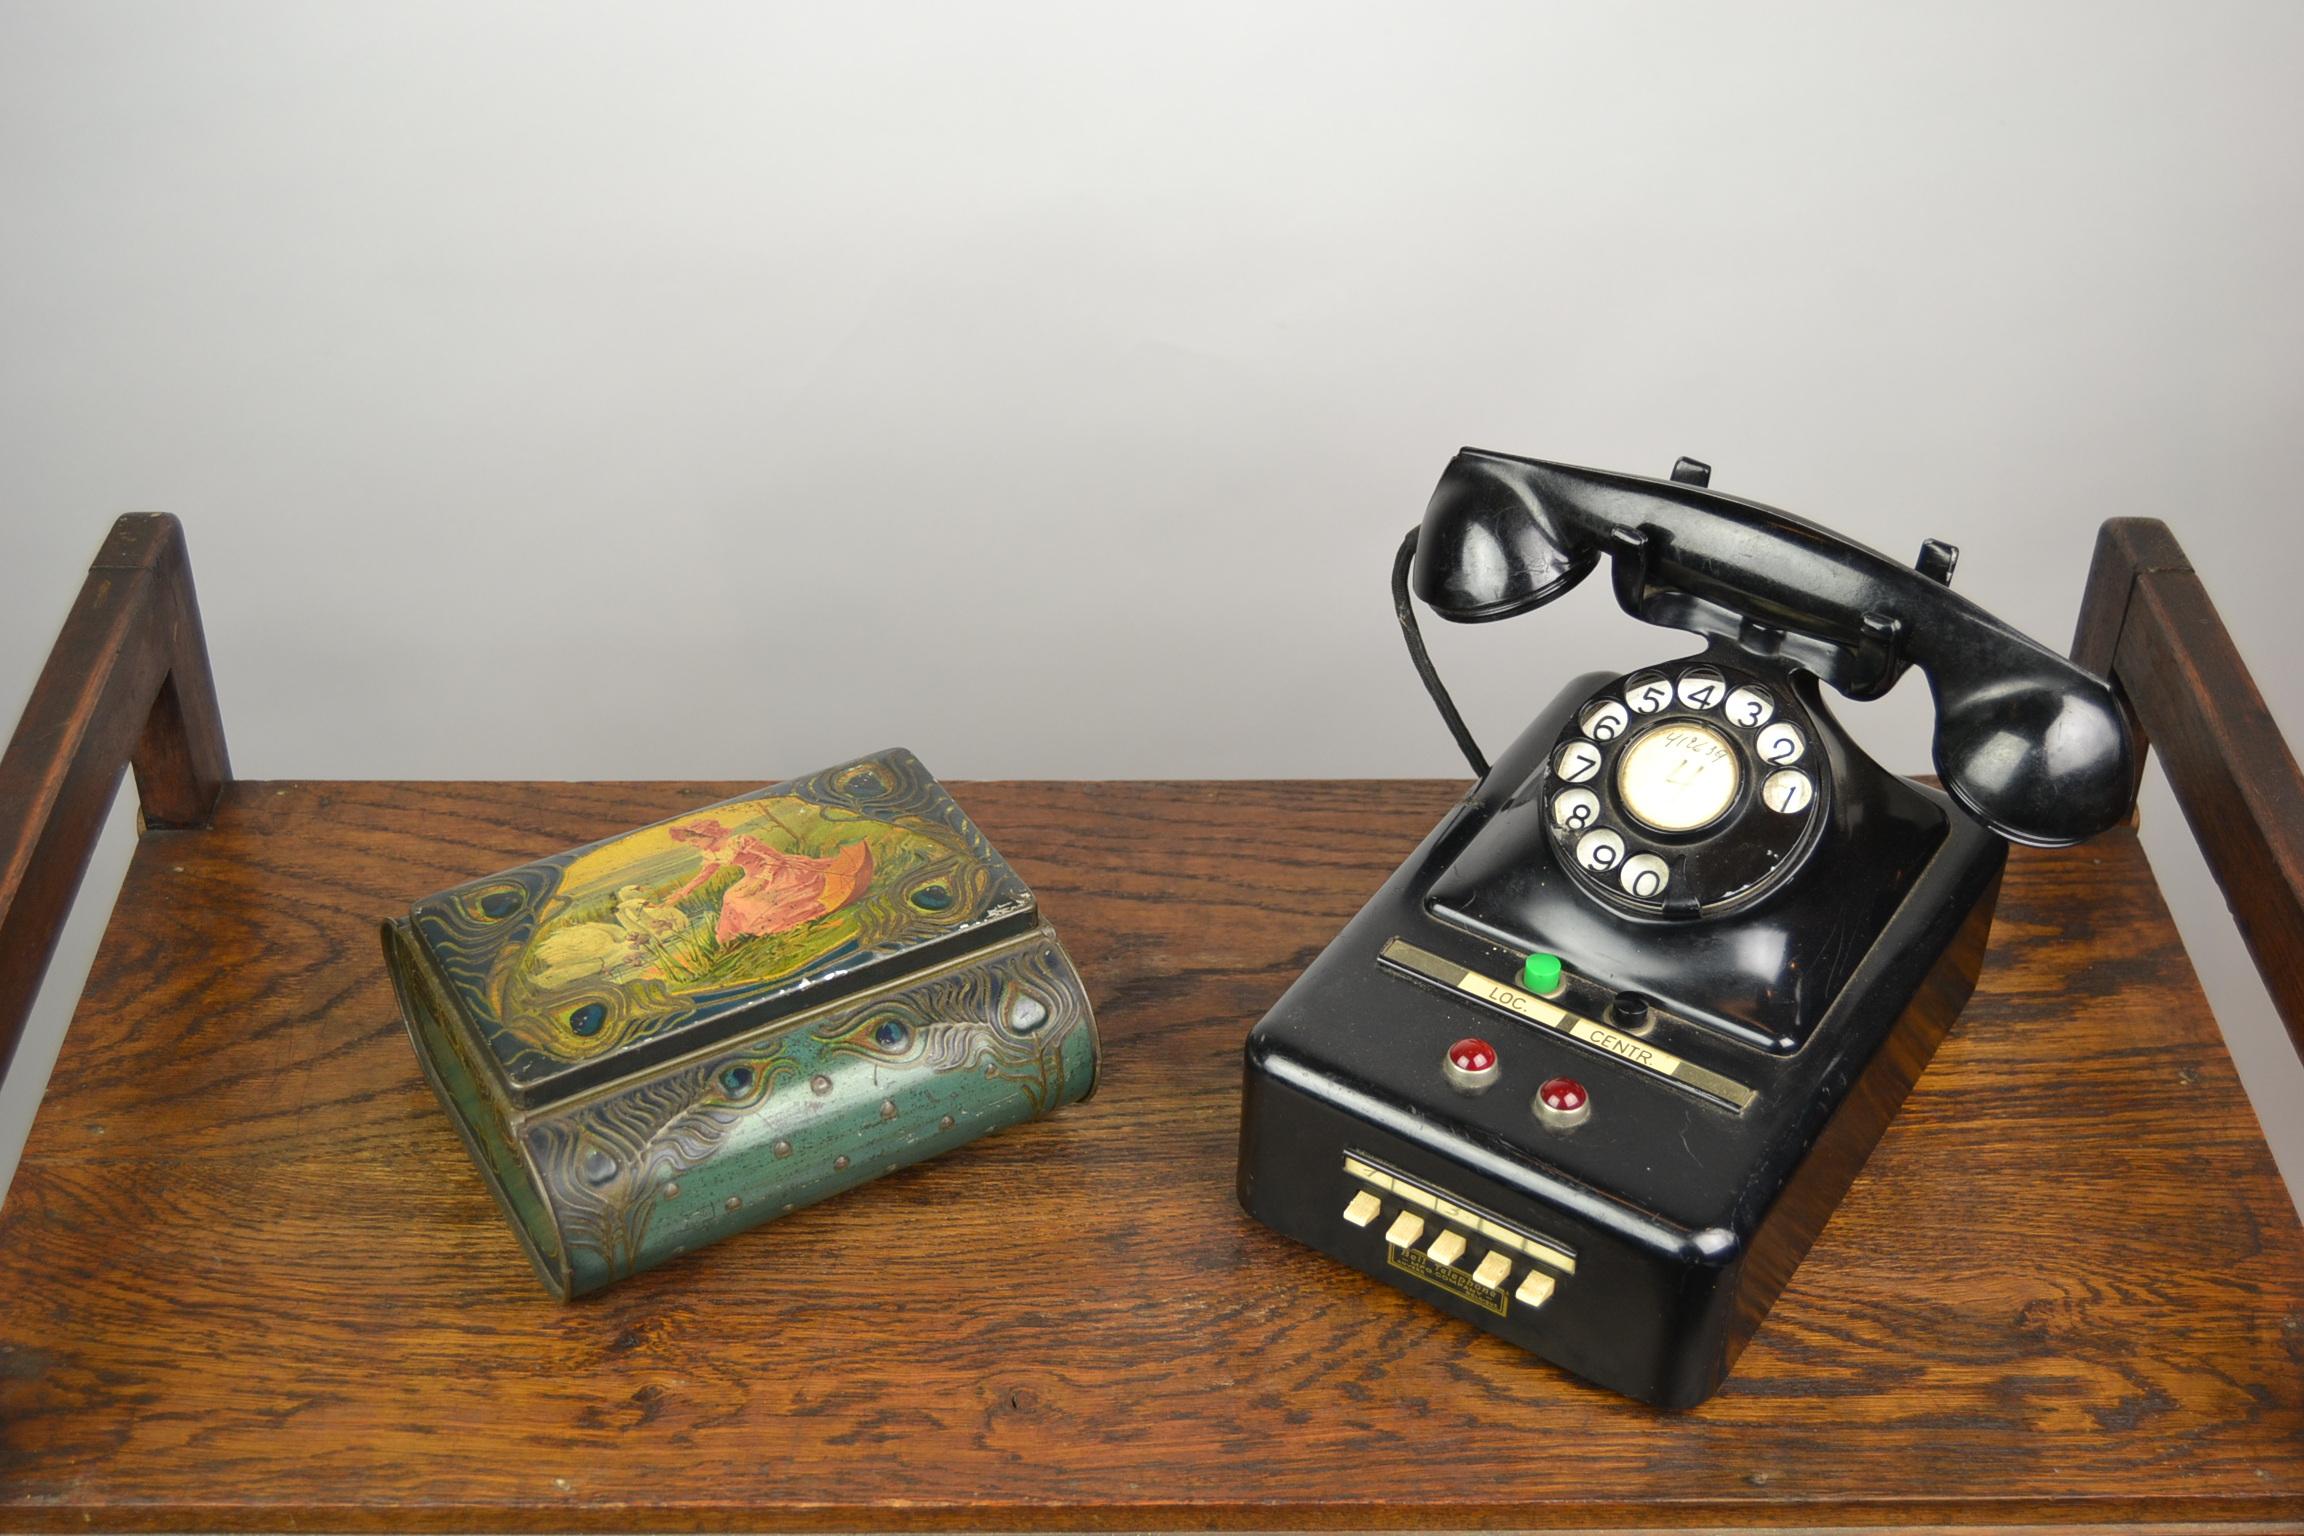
480, 1120
620, 1180
724, 1140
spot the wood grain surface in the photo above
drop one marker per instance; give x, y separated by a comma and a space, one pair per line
248, 1280
127, 683
2147, 623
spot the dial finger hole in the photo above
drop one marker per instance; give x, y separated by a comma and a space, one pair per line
1600, 851
1578, 761
1575, 809
1749, 707
1604, 721
1647, 693
1645, 876
1781, 743
1702, 688
1787, 790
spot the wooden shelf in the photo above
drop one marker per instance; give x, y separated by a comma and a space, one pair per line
249, 1281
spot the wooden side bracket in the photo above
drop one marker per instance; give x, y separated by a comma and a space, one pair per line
2146, 622
127, 683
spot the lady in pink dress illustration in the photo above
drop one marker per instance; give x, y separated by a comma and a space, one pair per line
777, 891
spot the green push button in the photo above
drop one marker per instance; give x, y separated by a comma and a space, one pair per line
1541, 975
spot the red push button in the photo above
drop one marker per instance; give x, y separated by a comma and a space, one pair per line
1471, 1065
1562, 1102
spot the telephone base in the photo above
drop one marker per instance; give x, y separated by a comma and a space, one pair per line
1625, 1202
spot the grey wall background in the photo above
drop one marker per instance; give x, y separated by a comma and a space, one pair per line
583, 391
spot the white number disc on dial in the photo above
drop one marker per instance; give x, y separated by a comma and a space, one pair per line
1648, 692
1782, 743
1578, 761
1701, 688
1604, 721
1600, 851
1575, 809
1787, 790
1645, 875
1749, 707
1678, 778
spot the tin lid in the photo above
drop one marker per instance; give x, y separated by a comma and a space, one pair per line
586, 966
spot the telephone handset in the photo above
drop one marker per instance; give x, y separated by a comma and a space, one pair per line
1595, 1064
2027, 743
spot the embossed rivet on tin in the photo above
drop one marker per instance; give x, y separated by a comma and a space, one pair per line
671, 1191
820, 1085
840, 1163
782, 1148
732, 1202
944, 1124
887, 1109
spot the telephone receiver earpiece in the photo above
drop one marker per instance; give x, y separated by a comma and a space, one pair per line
2033, 758
2029, 744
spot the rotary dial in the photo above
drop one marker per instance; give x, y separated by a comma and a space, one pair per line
1684, 788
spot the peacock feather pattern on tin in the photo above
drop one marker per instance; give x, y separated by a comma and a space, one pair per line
685, 1148
999, 1023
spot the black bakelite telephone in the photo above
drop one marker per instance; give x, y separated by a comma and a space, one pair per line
1593, 1068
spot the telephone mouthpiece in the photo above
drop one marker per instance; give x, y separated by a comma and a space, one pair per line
2039, 763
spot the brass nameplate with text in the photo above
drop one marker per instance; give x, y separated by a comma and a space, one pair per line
1446, 1276
1527, 1005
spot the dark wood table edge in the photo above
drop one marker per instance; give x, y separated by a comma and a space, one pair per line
2036, 1517
2148, 624
127, 682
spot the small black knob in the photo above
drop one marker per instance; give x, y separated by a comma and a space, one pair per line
1689, 471
1936, 560
1629, 1011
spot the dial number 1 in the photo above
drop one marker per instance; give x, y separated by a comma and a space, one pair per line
1787, 790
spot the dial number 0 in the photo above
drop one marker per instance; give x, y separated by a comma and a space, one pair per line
1645, 875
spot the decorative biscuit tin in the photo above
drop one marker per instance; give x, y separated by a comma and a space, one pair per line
683, 1031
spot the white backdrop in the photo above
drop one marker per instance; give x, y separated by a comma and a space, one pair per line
573, 390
